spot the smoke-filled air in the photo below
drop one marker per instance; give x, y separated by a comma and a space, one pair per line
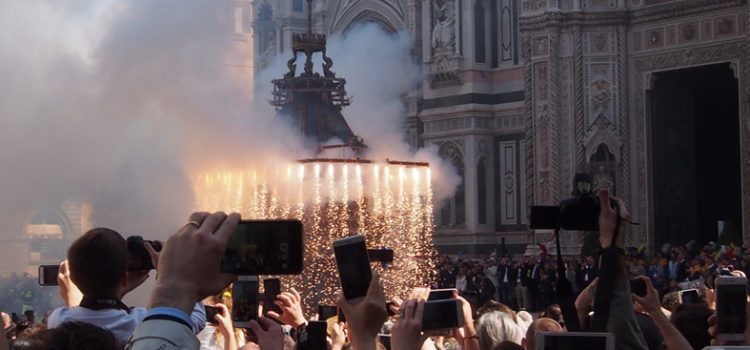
136, 107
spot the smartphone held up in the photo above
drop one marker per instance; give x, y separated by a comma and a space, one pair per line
353, 266
264, 247
731, 301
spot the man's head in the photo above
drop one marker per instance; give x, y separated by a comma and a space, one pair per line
98, 262
543, 324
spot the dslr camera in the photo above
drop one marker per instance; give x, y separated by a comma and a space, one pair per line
580, 213
138, 257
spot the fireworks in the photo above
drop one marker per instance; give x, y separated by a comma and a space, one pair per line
390, 204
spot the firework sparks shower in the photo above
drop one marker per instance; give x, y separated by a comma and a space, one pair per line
387, 201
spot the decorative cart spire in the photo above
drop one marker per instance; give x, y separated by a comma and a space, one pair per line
311, 101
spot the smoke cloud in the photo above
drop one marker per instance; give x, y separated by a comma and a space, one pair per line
122, 103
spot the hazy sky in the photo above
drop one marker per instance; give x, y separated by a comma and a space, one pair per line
121, 103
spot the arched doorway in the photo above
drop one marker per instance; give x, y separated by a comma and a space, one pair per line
696, 166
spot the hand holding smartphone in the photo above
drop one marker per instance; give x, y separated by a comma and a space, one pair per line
244, 301
48, 275
264, 247
353, 266
272, 288
731, 301
442, 314
211, 312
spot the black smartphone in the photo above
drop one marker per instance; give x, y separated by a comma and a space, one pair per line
438, 294
574, 341
353, 265
315, 338
342, 318
244, 301
638, 287
48, 275
385, 339
211, 312
264, 247
382, 255
442, 314
731, 298
327, 311
689, 296
272, 288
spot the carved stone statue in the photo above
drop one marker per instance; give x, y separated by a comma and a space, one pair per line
444, 31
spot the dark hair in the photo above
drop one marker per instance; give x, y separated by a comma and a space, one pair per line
98, 261
554, 312
692, 321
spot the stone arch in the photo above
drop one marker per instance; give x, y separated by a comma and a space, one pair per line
389, 16
368, 16
736, 54
48, 216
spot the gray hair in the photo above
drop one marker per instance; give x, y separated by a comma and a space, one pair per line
495, 327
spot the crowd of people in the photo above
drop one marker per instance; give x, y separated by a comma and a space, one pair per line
528, 282
593, 296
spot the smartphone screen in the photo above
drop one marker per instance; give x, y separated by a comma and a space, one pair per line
638, 287
211, 313
437, 294
353, 265
327, 311
264, 247
689, 296
272, 288
316, 336
244, 301
730, 308
383, 255
385, 339
48, 275
574, 341
442, 314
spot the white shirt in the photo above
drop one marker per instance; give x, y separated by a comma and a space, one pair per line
461, 283
119, 322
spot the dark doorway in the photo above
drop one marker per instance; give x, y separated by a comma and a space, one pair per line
695, 154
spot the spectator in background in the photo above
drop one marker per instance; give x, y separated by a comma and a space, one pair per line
589, 271
521, 280
507, 276
461, 280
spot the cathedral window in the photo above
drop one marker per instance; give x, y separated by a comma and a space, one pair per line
479, 33
482, 192
297, 5
453, 210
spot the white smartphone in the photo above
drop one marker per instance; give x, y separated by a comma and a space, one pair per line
244, 301
574, 341
731, 299
353, 265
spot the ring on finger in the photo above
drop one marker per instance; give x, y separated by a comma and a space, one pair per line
193, 223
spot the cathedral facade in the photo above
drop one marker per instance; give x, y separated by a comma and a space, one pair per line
521, 95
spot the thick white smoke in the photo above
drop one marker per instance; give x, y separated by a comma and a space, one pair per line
121, 103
